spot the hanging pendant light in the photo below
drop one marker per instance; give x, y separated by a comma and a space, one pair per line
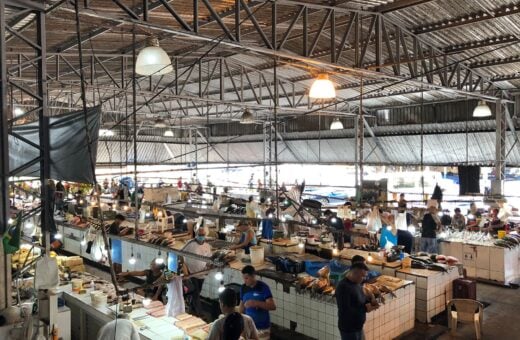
336, 124
168, 133
482, 110
322, 88
160, 123
153, 60
247, 117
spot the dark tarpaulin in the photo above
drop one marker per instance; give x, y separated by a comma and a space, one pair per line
70, 159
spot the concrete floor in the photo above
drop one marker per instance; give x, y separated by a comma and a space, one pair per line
501, 318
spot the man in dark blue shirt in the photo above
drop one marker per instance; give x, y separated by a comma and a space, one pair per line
352, 303
256, 301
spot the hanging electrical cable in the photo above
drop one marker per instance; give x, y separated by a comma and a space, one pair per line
89, 139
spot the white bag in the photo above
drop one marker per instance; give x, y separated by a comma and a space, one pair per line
175, 296
46, 275
374, 223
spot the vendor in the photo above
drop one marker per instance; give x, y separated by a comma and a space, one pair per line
388, 231
155, 292
121, 328
115, 227
197, 246
458, 222
401, 204
474, 216
247, 237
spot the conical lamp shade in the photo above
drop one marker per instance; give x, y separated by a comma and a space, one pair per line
482, 110
247, 117
322, 88
153, 60
336, 124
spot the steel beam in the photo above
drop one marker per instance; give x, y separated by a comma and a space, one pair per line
470, 45
398, 5
4, 144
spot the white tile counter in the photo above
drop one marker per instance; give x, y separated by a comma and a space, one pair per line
87, 319
490, 263
318, 318
432, 290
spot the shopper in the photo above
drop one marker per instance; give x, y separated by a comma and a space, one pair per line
231, 325
155, 292
256, 301
458, 220
352, 303
430, 225
197, 246
247, 237
120, 328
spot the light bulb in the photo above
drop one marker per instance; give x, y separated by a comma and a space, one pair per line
322, 88
335, 251
146, 302
132, 260
282, 219
83, 242
159, 214
184, 221
270, 216
58, 236
334, 220
364, 220
219, 276
80, 201
159, 260
301, 245
314, 221
221, 288
189, 201
69, 196
370, 258
258, 216
10, 221
147, 214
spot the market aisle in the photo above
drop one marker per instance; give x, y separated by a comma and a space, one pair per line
501, 318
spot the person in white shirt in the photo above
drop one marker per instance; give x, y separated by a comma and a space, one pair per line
232, 325
120, 329
192, 266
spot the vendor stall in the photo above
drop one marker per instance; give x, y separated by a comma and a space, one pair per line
433, 289
485, 258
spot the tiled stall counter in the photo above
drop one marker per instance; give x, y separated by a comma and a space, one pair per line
385, 268
489, 263
432, 290
318, 318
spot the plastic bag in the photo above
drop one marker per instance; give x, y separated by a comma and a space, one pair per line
175, 296
46, 275
374, 223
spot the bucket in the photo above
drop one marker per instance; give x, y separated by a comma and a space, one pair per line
77, 284
257, 255
501, 234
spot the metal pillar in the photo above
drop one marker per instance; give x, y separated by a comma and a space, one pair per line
360, 134
500, 151
268, 154
36, 94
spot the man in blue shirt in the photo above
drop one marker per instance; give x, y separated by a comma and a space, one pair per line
256, 301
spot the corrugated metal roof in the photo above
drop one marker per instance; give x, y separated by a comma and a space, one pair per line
438, 149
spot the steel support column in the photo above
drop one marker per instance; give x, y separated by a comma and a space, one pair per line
5, 261
500, 151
